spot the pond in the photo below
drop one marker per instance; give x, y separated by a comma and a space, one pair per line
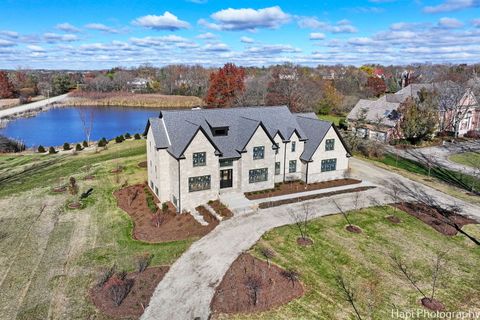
59, 125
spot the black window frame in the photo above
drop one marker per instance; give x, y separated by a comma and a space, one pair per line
226, 163
259, 153
294, 146
328, 165
207, 183
258, 175
329, 144
290, 166
196, 162
277, 168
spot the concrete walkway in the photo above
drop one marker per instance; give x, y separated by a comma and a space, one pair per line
31, 106
188, 288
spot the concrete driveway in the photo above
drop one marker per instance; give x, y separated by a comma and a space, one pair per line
188, 288
31, 106
439, 155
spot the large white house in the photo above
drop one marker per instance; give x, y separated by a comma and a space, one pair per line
196, 155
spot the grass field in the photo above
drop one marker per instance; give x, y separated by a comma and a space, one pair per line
364, 260
331, 118
48, 261
467, 158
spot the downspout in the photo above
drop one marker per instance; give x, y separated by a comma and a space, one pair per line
284, 159
179, 194
306, 174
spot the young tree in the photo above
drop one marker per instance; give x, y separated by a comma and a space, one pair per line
254, 285
267, 253
301, 219
291, 275
86, 117
348, 293
225, 85
6, 87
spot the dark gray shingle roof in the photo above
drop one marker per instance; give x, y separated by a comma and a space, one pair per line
180, 126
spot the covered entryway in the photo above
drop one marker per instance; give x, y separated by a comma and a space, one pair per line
226, 178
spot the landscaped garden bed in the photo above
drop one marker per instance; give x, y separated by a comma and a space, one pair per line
138, 288
434, 219
221, 209
151, 224
207, 216
298, 186
253, 285
277, 203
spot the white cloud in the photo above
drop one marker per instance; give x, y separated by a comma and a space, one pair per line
6, 43
167, 21
247, 19
449, 23
272, 49
207, 36
36, 48
55, 37
216, 47
342, 26
247, 40
101, 27
476, 23
362, 41
9, 34
67, 27
317, 36
311, 23
452, 5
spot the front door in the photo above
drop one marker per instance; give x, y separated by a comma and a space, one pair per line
226, 178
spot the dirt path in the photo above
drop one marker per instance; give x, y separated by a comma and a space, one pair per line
31, 106
188, 288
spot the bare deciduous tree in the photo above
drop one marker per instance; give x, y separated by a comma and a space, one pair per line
301, 219
291, 275
86, 117
267, 253
343, 212
254, 285
348, 293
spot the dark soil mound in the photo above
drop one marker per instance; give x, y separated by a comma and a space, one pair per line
393, 219
59, 189
235, 293
353, 229
173, 226
133, 305
432, 304
434, 219
142, 164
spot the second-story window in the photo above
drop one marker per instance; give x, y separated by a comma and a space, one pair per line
258, 153
199, 159
292, 166
329, 144
294, 146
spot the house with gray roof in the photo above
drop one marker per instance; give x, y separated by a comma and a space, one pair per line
196, 155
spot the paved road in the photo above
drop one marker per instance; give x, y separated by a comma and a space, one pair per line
439, 155
188, 288
31, 106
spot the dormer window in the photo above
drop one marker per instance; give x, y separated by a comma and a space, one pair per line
220, 131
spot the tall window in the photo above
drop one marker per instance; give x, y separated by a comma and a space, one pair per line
292, 166
198, 183
329, 165
277, 168
199, 159
329, 144
294, 146
258, 153
258, 175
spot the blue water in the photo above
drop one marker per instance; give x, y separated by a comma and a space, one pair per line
57, 126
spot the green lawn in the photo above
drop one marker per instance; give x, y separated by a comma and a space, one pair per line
471, 159
49, 261
455, 178
331, 118
364, 260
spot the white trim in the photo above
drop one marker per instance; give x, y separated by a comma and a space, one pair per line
166, 131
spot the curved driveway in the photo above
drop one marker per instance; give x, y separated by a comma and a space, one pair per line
188, 288
31, 106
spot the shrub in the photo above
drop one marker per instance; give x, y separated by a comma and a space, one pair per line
85, 144
143, 261
66, 146
474, 134
127, 135
137, 136
342, 124
102, 142
41, 149
164, 207
119, 139
78, 147
119, 289
73, 187
105, 276
51, 150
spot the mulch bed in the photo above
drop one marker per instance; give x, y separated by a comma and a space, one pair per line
353, 229
173, 227
269, 204
74, 205
298, 186
432, 304
207, 216
234, 296
133, 305
393, 219
434, 219
221, 209
59, 189
142, 164
304, 241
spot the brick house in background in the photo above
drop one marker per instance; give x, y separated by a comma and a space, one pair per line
379, 119
196, 155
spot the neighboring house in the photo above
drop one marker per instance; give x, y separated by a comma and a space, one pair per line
379, 119
194, 155
138, 84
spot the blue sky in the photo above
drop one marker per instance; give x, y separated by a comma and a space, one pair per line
98, 34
